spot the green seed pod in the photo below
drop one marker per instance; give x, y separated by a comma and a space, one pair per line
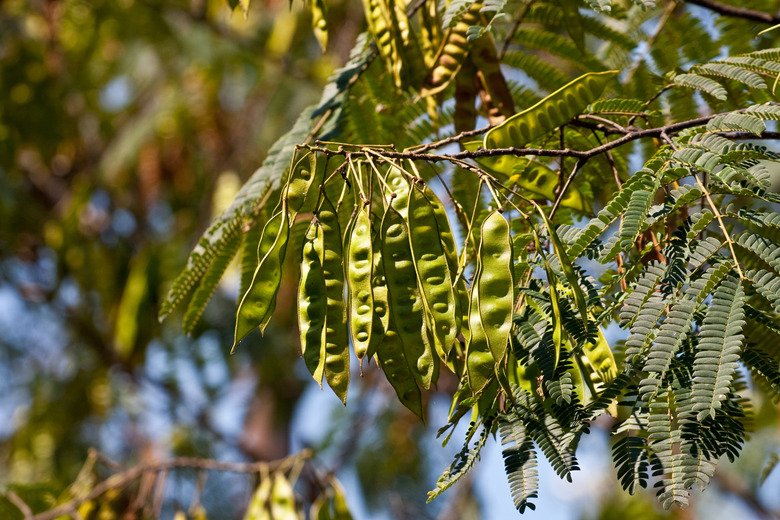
381, 315
302, 189
319, 22
406, 304
433, 274
258, 303
479, 361
359, 270
495, 285
549, 113
312, 302
540, 119
536, 178
379, 15
393, 360
336, 335
397, 182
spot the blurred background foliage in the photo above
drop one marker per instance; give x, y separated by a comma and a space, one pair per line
125, 127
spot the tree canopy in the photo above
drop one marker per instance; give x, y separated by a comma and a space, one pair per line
563, 215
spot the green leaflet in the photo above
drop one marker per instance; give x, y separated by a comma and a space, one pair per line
719, 348
258, 303
209, 281
568, 269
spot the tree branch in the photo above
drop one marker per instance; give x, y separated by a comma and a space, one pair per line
632, 134
737, 12
122, 479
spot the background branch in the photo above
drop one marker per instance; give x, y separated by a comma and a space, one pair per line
736, 12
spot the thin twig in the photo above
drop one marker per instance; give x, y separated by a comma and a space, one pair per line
566, 185
19, 503
722, 226
449, 140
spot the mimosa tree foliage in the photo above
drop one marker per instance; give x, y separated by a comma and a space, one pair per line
485, 187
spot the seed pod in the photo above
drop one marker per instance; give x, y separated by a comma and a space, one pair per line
430, 32
465, 117
495, 284
381, 314
379, 18
543, 117
451, 254
312, 302
302, 189
479, 360
319, 22
483, 54
433, 274
453, 51
359, 270
406, 304
397, 182
336, 336
393, 360
258, 303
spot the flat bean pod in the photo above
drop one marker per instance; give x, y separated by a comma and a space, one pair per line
381, 315
451, 254
549, 113
336, 336
258, 303
302, 189
495, 285
533, 176
406, 304
392, 359
479, 361
359, 269
319, 22
312, 302
433, 273
454, 49
400, 186
379, 18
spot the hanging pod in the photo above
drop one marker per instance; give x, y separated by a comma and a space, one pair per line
360, 267
405, 301
433, 274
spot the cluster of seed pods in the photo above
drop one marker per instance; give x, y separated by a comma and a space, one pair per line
388, 281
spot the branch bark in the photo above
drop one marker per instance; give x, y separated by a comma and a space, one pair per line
122, 479
631, 134
737, 12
